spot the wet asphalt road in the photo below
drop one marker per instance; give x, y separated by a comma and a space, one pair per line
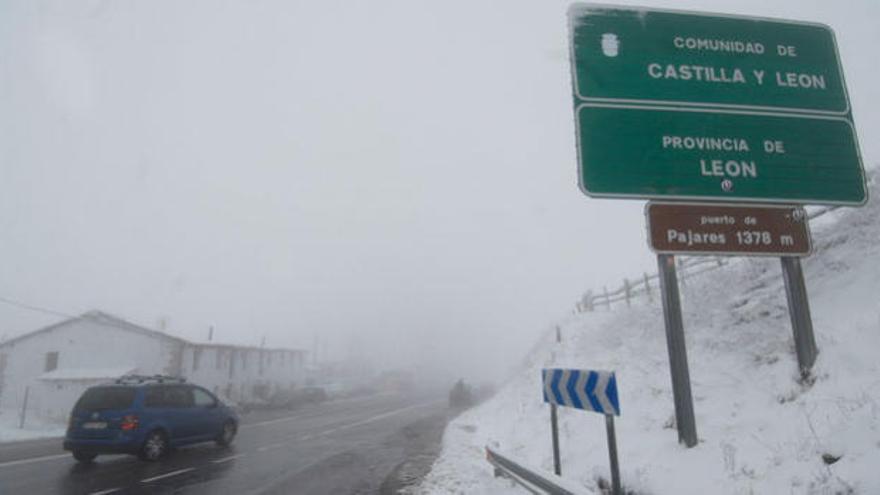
348, 446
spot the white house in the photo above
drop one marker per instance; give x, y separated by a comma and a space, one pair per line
52, 366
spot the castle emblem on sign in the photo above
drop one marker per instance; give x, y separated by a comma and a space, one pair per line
610, 44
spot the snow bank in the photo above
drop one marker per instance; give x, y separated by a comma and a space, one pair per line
760, 430
33, 428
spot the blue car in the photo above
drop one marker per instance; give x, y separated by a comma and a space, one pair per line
146, 416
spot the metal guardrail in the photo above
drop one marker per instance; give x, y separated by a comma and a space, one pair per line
687, 267
533, 480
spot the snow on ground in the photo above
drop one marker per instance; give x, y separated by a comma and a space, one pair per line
760, 430
33, 428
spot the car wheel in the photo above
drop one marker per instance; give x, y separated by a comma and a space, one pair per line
227, 434
154, 447
81, 456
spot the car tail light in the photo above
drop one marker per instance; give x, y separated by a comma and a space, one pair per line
129, 422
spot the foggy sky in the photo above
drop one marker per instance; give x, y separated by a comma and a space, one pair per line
396, 177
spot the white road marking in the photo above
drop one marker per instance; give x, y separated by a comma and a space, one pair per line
33, 459
218, 461
167, 475
269, 422
295, 416
105, 492
377, 418
372, 419
272, 446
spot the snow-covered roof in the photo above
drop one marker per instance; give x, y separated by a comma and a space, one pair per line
115, 321
87, 373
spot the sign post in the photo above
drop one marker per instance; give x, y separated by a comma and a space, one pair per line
590, 391
675, 344
612, 455
799, 311
554, 428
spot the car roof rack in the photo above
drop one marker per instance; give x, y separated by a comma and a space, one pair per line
142, 379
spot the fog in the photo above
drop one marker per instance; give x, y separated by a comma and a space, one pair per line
390, 181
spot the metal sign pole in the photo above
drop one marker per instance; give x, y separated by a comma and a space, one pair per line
799, 310
612, 454
557, 465
678, 366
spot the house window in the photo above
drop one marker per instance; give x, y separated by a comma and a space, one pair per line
51, 361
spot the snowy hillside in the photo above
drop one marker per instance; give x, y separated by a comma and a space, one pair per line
760, 430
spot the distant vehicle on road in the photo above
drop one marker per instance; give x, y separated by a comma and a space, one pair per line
146, 416
460, 396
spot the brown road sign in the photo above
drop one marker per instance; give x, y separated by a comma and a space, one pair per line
727, 229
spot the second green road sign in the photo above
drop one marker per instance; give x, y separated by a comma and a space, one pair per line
655, 152
698, 107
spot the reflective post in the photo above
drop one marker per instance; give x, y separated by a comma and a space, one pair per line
678, 365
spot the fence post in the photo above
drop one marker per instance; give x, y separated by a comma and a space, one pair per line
626, 291
607, 300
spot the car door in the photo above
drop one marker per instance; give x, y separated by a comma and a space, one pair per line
163, 404
208, 417
185, 413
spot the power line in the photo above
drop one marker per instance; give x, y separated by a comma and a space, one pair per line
38, 309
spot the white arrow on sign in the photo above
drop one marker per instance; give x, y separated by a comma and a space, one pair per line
581, 389
599, 392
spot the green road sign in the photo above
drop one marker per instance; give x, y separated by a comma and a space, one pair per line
706, 154
685, 58
692, 106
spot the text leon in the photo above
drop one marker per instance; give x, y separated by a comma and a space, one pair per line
721, 167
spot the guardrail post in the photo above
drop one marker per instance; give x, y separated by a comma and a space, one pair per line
648, 287
626, 291
678, 365
607, 299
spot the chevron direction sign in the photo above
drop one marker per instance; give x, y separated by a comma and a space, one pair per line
582, 389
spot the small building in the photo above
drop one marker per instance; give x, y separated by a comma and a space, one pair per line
55, 364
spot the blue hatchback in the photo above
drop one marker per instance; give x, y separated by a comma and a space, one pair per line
146, 416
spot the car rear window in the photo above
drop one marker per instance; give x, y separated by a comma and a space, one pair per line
106, 398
